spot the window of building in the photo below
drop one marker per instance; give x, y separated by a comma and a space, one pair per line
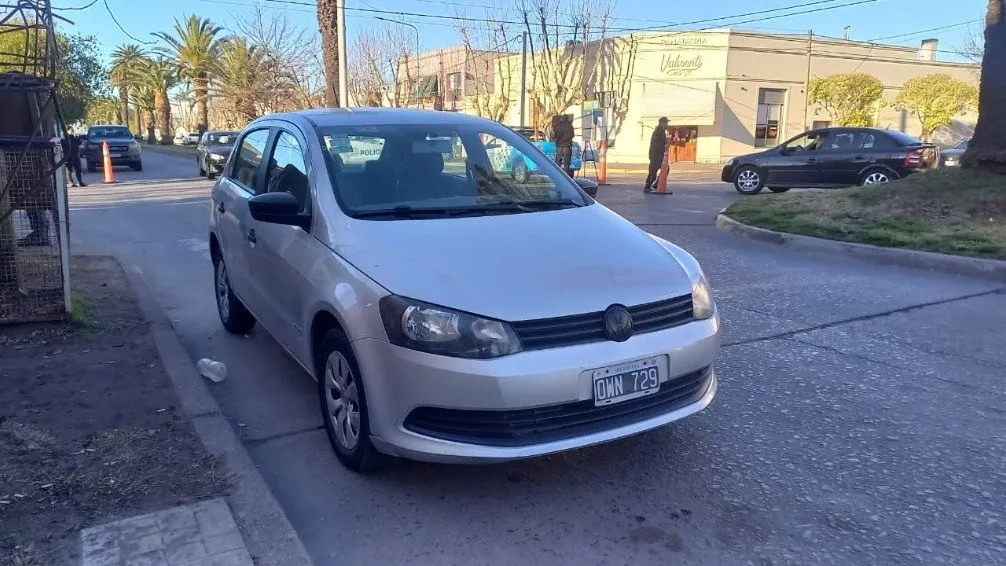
454, 81
770, 114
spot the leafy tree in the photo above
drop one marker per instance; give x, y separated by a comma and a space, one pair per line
145, 100
103, 110
160, 75
987, 149
195, 48
936, 100
240, 67
850, 99
126, 62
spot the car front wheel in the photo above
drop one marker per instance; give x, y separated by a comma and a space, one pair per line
344, 404
748, 180
137, 166
520, 172
233, 314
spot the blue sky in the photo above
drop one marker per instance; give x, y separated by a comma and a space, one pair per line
870, 20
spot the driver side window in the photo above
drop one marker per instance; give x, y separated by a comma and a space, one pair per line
808, 142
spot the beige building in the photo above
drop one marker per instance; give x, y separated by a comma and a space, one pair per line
448, 79
731, 92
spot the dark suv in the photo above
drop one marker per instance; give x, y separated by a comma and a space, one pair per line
122, 148
831, 158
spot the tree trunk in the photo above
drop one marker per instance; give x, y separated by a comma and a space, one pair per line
202, 105
151, 125
124, 109
164, 116
330, 50
987, 149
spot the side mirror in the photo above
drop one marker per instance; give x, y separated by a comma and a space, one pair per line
589, 186
278, 208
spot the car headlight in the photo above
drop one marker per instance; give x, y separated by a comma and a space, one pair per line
702, 298
217, 157
731, 162
438, 330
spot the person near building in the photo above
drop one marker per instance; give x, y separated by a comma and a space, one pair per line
658, 150
562, 130
71, 149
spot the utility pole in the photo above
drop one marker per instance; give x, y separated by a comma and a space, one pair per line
848, 32
806, 83
340, 26
523, 79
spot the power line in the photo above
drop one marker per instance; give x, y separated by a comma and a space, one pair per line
941, 28
72, 8
122, 29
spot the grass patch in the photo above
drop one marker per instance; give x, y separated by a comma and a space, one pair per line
953, 211
179, 149
80, 314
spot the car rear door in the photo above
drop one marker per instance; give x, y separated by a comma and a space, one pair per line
243, 180
282, 256
843, 156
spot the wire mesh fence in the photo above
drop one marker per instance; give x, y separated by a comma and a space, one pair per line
32, 282
27, 42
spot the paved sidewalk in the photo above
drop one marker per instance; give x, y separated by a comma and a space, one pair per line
203, 534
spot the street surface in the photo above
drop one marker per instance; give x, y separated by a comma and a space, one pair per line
860, 417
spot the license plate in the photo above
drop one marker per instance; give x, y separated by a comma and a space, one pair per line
115, 155
626, 381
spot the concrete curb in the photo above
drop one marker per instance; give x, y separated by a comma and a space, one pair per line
268, 534
960, 265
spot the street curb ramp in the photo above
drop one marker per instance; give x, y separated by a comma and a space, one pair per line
960, 265
268, 534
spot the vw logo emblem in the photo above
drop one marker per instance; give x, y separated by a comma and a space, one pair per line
617, 323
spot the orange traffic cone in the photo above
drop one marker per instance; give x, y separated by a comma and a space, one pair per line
665, 169
107, 164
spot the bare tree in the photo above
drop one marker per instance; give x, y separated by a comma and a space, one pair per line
615, 62
561, 34
381, 68
489, 70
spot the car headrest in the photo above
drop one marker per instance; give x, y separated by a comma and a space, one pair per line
425, 164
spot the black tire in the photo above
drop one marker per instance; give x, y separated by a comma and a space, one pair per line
333, 359
91, 167
199, 164
211, 175
235, 318
520, 172
778, 189
748, 180
137, 165
877, 176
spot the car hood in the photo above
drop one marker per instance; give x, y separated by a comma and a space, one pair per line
220, 149
517, 266
755, 155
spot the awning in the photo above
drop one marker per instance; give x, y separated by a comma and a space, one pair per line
427, 87
689, 103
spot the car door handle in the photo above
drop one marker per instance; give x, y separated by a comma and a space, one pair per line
252, 239
811, 160
859, 158
220, 207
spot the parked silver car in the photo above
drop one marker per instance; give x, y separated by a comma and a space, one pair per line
449, 313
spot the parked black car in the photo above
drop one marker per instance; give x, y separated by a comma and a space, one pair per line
952, 157
212, 152
123, 149
830, 158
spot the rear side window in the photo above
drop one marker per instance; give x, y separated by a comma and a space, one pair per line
249, 158
902, 139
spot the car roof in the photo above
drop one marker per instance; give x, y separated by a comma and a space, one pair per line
107, 126
368, 116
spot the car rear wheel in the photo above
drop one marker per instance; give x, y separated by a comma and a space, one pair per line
520, 172
778, 189
748, 181
344, 404
233, 314
876, 177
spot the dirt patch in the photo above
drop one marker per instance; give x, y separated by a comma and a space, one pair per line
90, 426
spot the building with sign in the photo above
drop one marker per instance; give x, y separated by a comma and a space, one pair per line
731, 92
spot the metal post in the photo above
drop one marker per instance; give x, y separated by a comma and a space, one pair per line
806, 83
523, 79
340, 27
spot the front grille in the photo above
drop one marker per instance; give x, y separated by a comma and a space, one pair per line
525, 427
585, 328
119, 148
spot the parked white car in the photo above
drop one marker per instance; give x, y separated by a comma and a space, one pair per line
453, 315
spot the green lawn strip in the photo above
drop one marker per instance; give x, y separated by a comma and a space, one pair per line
182, 149
954, 211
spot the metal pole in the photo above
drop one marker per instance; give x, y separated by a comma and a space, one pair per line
523, 79
806, 83
340, 26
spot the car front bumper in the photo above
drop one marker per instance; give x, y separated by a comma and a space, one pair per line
401, 383
727, 175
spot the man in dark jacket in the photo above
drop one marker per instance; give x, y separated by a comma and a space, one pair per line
658, 148
71, 149
562, 130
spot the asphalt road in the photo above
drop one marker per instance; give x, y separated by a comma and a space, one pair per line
860, 417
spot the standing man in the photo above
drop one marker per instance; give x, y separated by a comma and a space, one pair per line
563, 132
71, 149
658, 150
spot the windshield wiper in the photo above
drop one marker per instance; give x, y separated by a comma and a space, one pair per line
542, 203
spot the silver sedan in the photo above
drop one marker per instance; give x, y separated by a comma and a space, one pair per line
448, 312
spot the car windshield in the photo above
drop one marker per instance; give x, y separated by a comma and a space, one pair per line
222, 138
963, 144
427, 171
111, 132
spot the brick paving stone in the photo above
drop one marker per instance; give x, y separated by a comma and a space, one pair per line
201, 534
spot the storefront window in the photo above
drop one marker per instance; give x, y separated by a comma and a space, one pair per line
770, 113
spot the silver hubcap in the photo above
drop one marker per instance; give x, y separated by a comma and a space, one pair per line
342, 400
748, 180
876, 178
223, 291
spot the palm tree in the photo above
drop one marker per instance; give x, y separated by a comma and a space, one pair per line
240, 67
125, 62
330, 50
987, 149
159, 76
146, 101
195, 48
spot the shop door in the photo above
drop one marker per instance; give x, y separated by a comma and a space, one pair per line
682, 142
